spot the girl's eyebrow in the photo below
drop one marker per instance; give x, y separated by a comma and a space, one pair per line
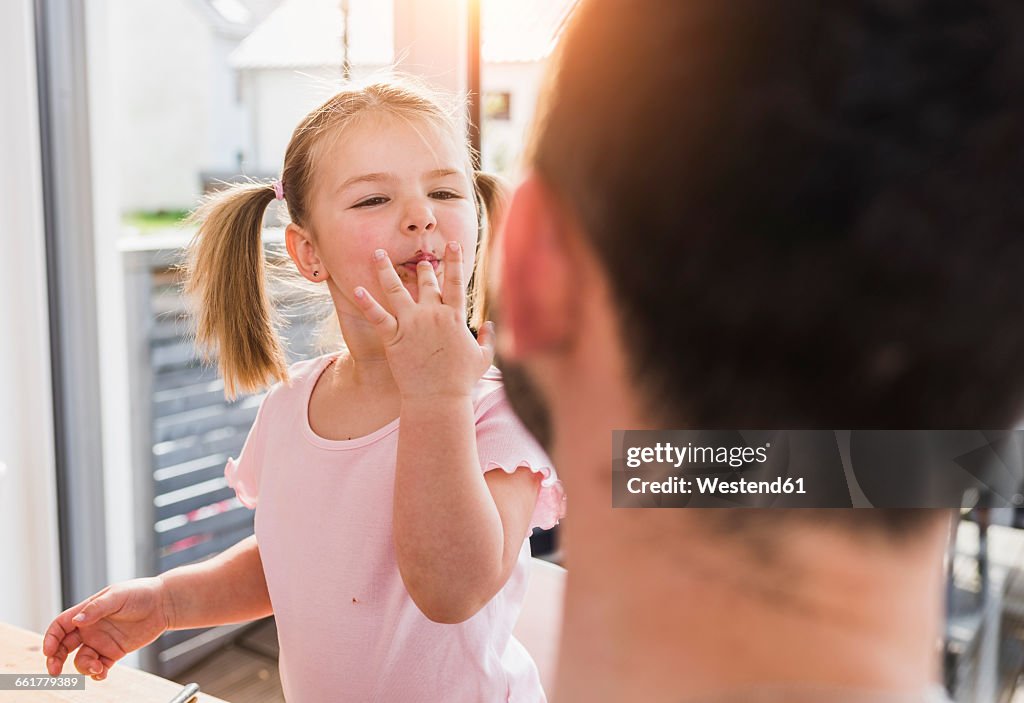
377, 177
442, 172
365, 178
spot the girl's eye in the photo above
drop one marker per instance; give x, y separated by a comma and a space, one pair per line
444, 195
369, 202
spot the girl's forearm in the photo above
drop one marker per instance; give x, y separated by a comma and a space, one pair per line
448, 534
229, 588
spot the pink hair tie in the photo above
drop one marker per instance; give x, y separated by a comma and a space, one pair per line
278, 187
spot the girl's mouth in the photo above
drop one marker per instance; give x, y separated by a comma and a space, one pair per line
410, 266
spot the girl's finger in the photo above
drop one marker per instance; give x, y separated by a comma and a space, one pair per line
55, 634
90, 661
486, 340
391, 283
107, 663
426, 279
59, 653
98, 608
454, 292
87, 661
383, 321
64, 624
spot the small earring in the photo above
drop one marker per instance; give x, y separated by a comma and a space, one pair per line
316, 274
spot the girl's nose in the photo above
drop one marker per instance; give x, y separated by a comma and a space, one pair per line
419, 218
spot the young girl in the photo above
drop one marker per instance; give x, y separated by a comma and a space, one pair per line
392, 553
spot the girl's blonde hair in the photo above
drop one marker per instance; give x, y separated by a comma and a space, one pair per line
226, 275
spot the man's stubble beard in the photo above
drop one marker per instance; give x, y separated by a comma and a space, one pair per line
526, 401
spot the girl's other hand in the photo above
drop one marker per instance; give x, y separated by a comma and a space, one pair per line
106, 626
430, 349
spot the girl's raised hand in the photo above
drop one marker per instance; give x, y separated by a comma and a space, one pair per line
429, 347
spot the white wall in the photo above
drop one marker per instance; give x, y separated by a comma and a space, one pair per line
226, 134
160, 54
29, 577
277, 100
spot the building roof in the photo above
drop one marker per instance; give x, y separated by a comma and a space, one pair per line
234, 18
307, 33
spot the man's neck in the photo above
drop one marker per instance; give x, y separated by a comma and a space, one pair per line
658, 609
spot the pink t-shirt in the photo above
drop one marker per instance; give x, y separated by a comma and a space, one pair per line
347, 627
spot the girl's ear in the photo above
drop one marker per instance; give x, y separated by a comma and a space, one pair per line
537, 308
303, 252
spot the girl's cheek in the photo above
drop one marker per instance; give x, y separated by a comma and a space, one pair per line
368, 238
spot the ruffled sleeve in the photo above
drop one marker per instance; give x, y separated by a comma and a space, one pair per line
243, 473
504, 443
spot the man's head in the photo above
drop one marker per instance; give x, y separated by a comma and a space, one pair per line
807, 215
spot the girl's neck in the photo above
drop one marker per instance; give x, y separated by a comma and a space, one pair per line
371, 374
363, 364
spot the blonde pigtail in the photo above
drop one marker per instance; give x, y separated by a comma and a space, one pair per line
226, 282
492, 193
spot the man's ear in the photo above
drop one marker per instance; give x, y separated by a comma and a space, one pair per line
536, 298
303, 252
